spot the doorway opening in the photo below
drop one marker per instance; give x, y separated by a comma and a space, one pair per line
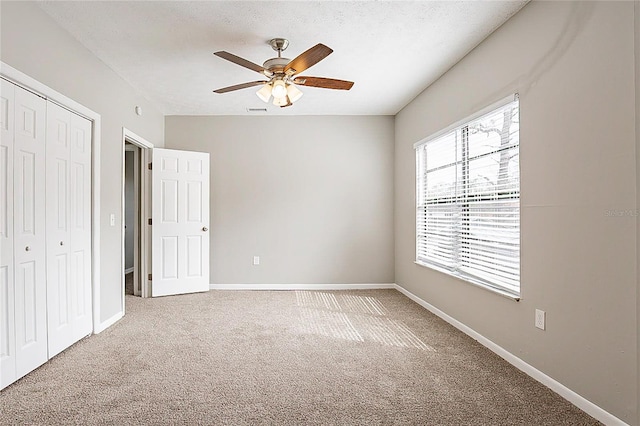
135, 207
180, 211
132, 278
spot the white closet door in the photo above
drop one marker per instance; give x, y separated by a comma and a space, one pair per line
45, 230
29, 232
68, 228
7, 296
80, 227
59, 327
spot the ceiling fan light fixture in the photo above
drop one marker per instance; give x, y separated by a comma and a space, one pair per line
294, 93
279, 89
265, 92
282, 74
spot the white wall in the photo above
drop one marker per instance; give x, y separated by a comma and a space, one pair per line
312, 196
34, 44
573, 65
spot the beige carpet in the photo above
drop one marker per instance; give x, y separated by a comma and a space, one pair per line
282, 358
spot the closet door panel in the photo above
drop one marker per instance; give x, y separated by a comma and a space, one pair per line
80, 226
59, 282
45, 230
29, 232
7, 296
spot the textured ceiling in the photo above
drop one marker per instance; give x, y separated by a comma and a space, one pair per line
391, 49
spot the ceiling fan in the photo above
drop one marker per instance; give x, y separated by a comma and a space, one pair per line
282, 74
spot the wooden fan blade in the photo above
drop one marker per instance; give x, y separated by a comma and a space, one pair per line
240, 86
308, 58
325, 83
240, 61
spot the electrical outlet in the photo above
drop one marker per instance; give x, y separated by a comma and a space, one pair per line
540, 319
256, 260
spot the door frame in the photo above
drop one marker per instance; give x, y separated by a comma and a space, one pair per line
141, 260
21, 79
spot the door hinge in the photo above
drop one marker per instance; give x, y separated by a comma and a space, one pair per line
149, 166
149, 221
149, 277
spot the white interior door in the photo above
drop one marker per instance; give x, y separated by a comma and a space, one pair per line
7, 295
180, 221
29, 232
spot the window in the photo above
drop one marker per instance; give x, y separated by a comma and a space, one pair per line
468, 199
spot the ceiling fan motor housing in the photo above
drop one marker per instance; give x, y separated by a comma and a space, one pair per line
276, 65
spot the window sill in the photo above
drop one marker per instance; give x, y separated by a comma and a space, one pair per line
468, 280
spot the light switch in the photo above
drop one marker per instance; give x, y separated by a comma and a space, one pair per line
112, 219
540, 320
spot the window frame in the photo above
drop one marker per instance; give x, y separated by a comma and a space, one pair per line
461, 200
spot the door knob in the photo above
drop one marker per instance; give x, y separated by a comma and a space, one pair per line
27, 248
61, 243
205, 229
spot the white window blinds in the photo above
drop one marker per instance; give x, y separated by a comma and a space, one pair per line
468, 200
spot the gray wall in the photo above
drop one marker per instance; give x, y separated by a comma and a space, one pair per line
312, 196
129, 209
573, 65
34, 44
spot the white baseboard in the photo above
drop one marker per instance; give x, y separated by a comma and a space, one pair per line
108, 323
584, 404
128, 270
302, 286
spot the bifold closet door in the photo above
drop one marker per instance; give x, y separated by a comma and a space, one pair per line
22, 287
68, 199
7, 294
30, 300
45, 230
80, 227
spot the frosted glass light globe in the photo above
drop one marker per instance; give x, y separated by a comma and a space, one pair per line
279, 89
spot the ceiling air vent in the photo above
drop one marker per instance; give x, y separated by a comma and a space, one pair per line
256, 110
